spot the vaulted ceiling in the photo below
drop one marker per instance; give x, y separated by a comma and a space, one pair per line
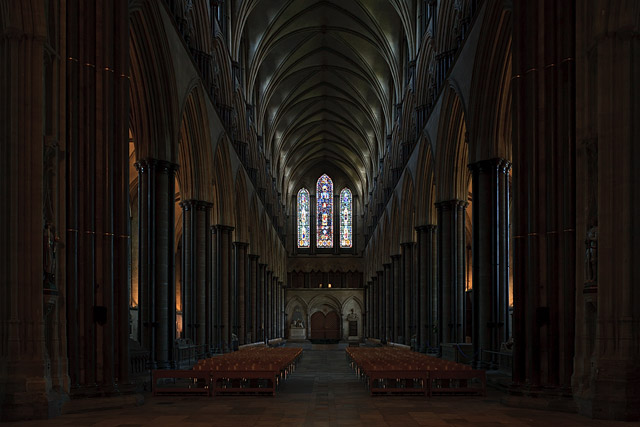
324, 77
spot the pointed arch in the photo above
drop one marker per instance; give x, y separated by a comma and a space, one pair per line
408, 209
153, 94
194, 148
222, 211
490, 98
241, 210
452, 174
425, 190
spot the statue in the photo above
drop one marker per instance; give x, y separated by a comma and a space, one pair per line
50, 241
591, 255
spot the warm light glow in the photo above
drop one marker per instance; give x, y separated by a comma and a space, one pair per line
329, 284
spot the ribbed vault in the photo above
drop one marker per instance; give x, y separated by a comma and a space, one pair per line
323, 77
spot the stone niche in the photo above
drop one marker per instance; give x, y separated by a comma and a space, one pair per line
346, 303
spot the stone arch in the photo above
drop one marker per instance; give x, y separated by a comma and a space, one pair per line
253, 226
407, 232
194, 148
425, 191
317, 302
153, 96
452, 175
242, 212
490, 99
394, 235
223, 208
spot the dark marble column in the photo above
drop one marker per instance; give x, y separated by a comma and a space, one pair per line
490, 259
544, 257
222, 279
397, 330
428, 291
375, 302
451, 268
386, 298
241, 281
156, 192
195, 253
254, 282
262, 273
407, 265
381, 307
268, 306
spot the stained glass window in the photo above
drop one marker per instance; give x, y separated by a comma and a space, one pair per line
304, 225
346, 209
324, 194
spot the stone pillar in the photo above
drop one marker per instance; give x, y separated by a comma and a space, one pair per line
451, 270
397, 330
407, 265
268, 306
375, 320
241, 281
195, 250
222, 279
156, 192
283, 319
254, 282
386, 298
543, 87
367, 308
490, 259
262, 272
605, 382
428, 290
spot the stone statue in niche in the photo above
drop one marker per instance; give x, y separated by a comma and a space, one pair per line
49, 239
591, 255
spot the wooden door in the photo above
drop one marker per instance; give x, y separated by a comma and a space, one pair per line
317, 326
332, 326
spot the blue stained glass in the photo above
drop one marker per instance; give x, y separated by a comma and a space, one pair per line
324, 194
346, 215
304, 225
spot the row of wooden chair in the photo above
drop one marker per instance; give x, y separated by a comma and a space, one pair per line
397, 370
254, 370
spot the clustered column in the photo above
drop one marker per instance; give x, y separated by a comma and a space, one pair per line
156, 191
398, 298
195, 276
407, 263
490, 258
428, 339
240, 290
451, 270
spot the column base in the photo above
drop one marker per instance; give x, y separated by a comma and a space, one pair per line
26, 394
542, 398
613, 391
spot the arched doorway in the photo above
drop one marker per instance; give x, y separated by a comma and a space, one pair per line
325, 327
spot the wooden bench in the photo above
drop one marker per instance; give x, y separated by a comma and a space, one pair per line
200, 384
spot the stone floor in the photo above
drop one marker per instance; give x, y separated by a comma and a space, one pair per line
323, 391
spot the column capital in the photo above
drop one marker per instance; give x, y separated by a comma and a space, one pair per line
387, 265
261, 265
448, 205
162, 166
221, 227
253, 256
426, 228
496, 164
241, 245
407, 244
396, 256
196, 204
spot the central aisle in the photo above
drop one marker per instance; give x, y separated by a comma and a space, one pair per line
323, 391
